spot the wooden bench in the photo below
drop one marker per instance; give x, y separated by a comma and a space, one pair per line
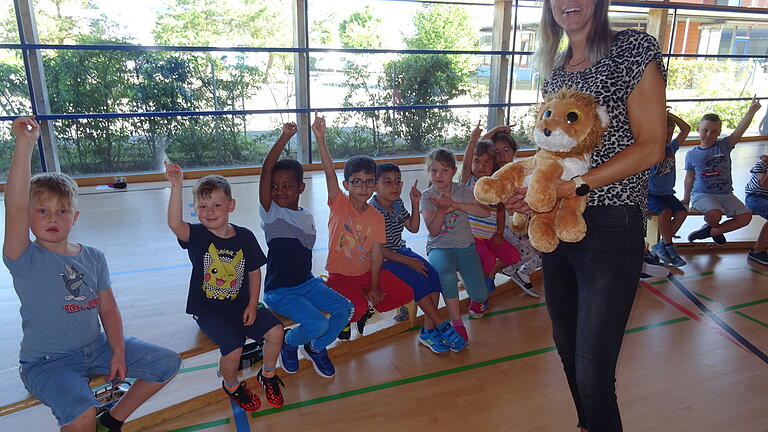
652, 235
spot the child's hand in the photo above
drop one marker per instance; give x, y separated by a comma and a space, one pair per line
26, 129
418, 265
497, 238
249, 316
476, 133
173, 173
117, 368
444, 203
415, 194
754, 106
318, 126
375, 296
289, 129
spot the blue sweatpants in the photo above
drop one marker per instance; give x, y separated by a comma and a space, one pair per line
420, 284
464, 260
303, 304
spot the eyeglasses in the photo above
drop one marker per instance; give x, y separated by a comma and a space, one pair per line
358, 182
388, 183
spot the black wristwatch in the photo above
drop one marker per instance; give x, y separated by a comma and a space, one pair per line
582, 188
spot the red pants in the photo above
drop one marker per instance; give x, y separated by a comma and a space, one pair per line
488, 252
354, 288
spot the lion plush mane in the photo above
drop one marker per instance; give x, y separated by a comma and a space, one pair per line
569, 126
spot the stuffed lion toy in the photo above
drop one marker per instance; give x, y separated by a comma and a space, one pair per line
569, 126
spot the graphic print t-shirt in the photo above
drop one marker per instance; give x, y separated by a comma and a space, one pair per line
220, 267
712, 167
351, 235
59, 305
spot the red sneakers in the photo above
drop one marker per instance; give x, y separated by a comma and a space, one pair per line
477, 309
244, 398
272, 389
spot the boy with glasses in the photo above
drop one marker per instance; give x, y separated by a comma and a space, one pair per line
355, 238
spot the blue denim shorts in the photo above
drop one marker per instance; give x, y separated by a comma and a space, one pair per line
659, 203
61, 382
758, 204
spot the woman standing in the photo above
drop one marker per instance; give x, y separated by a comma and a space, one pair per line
590, 285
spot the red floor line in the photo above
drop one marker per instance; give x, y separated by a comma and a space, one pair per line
687, 312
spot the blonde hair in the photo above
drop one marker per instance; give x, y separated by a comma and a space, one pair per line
547, 58
205, 186
57, 185
441, 155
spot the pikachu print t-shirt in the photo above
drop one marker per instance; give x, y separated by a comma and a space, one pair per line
351, 235
220, 267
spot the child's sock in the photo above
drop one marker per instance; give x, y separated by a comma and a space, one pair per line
231, 386
110, 422
267, 371
458, 325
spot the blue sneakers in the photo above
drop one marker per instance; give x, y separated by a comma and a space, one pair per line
320, 361
674, 258
454, 340
659, 251
289, 358
433, 339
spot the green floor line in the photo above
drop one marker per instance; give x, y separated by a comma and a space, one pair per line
743, 305
396, 383
757, 271
438, 374
400, 382
197, 368
708, 299
752, 319
694, 276
201, 426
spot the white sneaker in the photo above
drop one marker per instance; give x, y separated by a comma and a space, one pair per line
651, 270
524, 282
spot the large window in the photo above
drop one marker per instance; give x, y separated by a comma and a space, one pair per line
208, 84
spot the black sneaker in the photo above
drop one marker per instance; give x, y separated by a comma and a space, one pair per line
720, 239
758, 257
272, 388
701, 234
364, 319
346, 332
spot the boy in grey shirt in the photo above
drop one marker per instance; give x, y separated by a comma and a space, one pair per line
708, 183
64, 289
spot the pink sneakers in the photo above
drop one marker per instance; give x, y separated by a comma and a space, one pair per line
477, 310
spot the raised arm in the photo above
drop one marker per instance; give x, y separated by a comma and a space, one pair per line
265, 180
685, 128
473, 207
175, 176
754, 107
26, 131
318, 127
413, 222
469, 153
497, 129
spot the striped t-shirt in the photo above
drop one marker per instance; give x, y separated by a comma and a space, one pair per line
394, 221
482, 227
753, 186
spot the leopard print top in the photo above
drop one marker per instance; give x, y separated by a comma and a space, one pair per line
610, 80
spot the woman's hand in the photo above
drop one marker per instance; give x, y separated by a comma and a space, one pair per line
516, 203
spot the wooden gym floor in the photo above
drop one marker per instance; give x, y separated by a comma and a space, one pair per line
677, 372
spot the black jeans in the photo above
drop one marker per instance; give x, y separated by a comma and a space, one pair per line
590, 287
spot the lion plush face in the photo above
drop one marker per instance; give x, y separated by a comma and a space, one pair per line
570, 123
